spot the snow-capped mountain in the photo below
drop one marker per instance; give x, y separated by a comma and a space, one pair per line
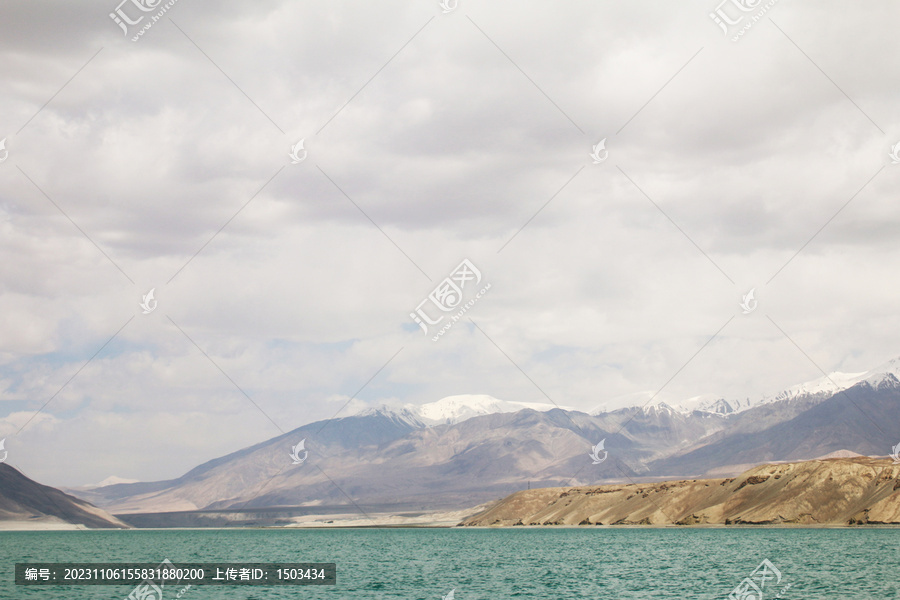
829, 385
887, 372
456, 409
398, 414
472, 448
817, 389
821, 388
711, 403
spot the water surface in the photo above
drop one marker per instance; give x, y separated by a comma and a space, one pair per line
490, 564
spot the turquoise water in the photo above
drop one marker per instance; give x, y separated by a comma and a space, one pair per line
490, 564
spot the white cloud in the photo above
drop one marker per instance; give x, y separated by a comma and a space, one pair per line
450, 150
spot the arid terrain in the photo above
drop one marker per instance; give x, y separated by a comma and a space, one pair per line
836, 491
26, 504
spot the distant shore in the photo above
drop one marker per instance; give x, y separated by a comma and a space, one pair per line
30, 525
6, 526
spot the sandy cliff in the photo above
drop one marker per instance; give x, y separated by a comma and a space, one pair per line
837, 491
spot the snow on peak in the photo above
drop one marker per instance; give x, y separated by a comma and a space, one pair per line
704, 403
454, 409
824, 386
884, 374
398, 413
659, 408
830, 384
888, 372
883, 381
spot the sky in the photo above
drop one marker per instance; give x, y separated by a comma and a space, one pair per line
618, 176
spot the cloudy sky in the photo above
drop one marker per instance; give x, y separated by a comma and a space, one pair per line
283, 291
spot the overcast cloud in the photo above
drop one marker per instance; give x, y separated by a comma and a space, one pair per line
285, 290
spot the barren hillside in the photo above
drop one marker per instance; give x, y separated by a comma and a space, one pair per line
837, 491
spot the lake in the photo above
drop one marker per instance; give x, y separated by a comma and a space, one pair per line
491, 564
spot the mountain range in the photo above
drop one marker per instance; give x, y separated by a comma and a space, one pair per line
820, 388
24, 502
466, 450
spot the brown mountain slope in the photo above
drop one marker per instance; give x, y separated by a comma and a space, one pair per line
24, 500
836, 491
